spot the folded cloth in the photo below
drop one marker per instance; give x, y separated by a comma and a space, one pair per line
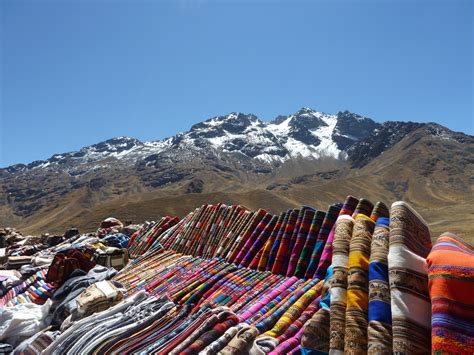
297, 326
266, 250
286, 346
42, 260
36, 344
263, 231
309, 243
242, 341
111, 222
3, 255
342, 238
28, 270
295, 310
316, 333
380, 210
64, 298
410, 244
212, 335
364, 206
13, 274
98, 297
5, 348
350, 204
299, 241
117, 240
253, 236
355, 335
15, 262
66, 262
8, 279
329, 220
224, 321
294, 237
68, 322
451, 287
283, 247
223, 340
380, 316
112, 257
22, 321
264, 344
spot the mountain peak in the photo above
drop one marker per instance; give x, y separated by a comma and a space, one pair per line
123, 139
231, 120
304, 112
347, 115
309, 119
116, 145
307, 111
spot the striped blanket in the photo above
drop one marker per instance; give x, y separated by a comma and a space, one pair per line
451, 285
410, 244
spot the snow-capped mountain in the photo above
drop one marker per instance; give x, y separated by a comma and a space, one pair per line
306, 134
227, 153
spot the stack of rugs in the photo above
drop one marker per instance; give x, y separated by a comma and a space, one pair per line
295, 242
145, 238
356, 278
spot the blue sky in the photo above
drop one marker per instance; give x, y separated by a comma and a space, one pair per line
78, 72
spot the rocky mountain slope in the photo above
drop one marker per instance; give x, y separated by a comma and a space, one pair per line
308, 157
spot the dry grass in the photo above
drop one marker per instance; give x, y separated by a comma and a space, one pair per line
455, 218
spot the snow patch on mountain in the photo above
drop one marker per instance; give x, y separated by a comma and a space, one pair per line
326, 125
327, 147
280, 129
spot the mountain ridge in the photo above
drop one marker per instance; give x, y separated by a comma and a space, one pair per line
239, 152
121, 143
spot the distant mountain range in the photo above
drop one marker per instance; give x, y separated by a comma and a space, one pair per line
306, 157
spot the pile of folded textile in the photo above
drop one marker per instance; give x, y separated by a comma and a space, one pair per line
355, 278
146, 237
